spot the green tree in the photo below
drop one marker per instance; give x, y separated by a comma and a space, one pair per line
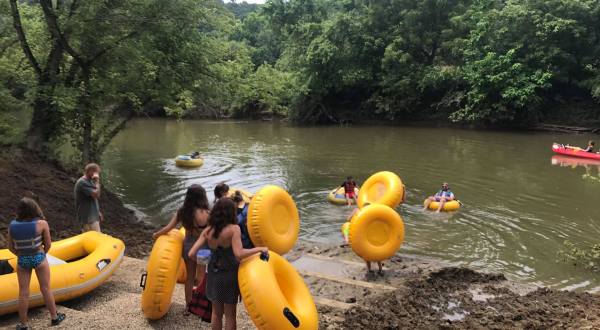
97, 63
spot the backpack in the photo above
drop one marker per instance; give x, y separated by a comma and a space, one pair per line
199, 304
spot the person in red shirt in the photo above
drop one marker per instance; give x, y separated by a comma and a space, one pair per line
349, 192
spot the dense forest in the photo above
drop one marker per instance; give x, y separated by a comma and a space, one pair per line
82, 69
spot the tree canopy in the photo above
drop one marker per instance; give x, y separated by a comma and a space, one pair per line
82, 69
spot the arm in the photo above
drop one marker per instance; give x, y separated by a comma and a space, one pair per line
96, 192
96, 179
11, 245
45, 235
238, 250
450, 197
166, 228
90, 190
199, 242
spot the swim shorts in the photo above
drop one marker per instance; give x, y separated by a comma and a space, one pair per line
31, 261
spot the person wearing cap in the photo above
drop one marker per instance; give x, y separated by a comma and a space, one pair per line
442, 196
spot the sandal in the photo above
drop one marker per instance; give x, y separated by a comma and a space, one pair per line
22, 327
59, 318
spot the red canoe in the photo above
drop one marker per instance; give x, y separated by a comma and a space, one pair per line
574, 152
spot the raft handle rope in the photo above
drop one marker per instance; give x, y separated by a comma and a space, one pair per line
291, 317
143, 280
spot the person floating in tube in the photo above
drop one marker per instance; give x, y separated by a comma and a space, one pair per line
349, 192
442, 196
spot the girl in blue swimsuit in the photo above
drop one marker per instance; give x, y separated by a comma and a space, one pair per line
29, 240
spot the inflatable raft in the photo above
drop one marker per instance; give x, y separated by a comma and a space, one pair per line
381, 188
448, 206
161, 274
275, 295
337, 196
376, 232
78, 265
574, 152
273, 219
187, 161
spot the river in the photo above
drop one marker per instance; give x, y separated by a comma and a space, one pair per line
518, 208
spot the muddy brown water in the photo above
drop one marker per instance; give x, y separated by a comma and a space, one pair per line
520, 202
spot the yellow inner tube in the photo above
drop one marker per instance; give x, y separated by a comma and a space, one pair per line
96, 257
376, 232
273, 219
161, 269
448, 206
275, 295
182, 271
381, 188
189, 162
338, 196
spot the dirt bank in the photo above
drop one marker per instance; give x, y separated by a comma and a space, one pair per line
21, 172
459, 298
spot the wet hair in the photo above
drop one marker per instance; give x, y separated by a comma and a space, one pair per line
28, 209
349, 178
221, 190
32, 195
91, 167
222, 214
238, 197
195, 198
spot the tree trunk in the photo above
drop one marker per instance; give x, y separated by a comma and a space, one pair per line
45, 122
86, 117
40, 128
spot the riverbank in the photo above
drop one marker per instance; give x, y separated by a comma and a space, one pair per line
414, 292
22, 172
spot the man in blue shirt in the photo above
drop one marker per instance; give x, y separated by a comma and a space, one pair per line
442, 196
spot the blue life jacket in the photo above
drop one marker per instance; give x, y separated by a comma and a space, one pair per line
243, 223
24, 236
446, 193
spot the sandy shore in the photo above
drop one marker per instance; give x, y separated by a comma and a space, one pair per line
413, 292
117, 305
